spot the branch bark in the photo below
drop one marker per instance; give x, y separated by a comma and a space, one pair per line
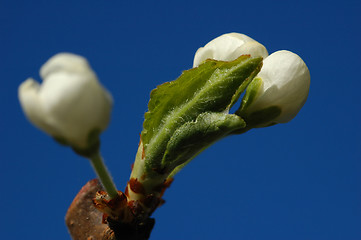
85, 222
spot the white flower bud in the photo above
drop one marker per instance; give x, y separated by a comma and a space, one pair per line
229, 47
70, 104
283, 83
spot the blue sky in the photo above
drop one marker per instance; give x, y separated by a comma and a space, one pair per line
299, 180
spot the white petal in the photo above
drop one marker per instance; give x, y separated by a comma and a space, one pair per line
64, 62
255, 49
84, 108
70, 103
31, 104
228, 47
74, 101
286, 83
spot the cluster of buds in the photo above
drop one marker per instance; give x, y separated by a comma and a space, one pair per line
185, 116
279, 90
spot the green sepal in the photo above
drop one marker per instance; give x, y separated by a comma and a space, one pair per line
193, 137
61, 140
250, 95
260, 118
93, 145
264, 117
214, 86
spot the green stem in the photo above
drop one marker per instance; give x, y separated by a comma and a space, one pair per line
103, 175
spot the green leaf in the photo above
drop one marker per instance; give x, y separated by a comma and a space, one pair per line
212, 87
193, 137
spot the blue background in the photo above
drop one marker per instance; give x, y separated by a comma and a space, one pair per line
299, 180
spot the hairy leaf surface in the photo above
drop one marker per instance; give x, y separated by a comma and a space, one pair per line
213, 87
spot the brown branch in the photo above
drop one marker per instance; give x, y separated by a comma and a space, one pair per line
83, 220
86, 222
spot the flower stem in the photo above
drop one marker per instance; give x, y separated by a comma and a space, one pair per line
103, 175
